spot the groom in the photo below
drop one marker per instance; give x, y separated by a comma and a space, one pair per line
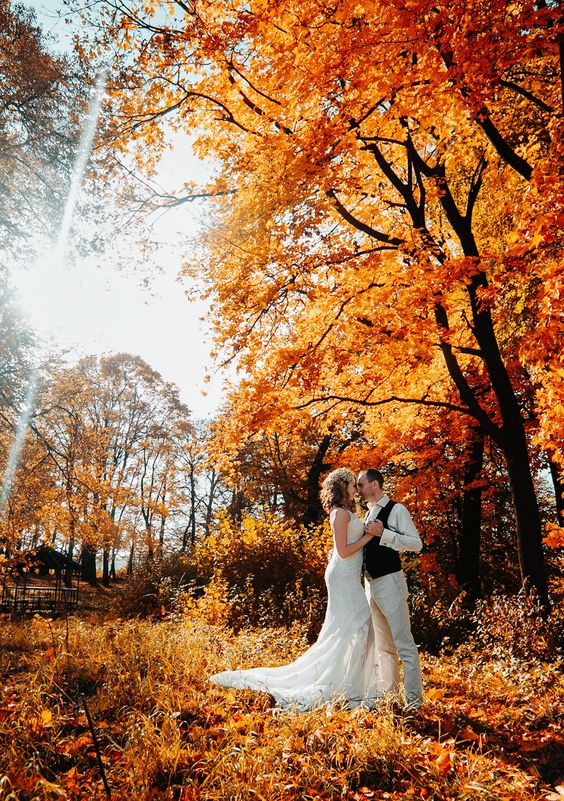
386, 587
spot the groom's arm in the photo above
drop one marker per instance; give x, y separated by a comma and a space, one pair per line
404, 535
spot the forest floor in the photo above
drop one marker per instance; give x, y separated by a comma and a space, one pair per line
492, 726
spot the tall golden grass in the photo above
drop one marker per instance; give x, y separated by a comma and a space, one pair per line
491, 727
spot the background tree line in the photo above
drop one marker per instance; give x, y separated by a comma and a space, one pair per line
111, 464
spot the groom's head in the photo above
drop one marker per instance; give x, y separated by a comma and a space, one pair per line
370, 483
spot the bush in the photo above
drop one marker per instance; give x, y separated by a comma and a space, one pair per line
155, 588
500, 626
514, 626
271, 571
264, 572
440, 624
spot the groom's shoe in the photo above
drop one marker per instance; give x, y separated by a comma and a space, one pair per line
412, 709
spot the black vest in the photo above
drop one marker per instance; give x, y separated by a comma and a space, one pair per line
380, 560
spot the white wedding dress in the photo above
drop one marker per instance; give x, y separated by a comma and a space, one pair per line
341, 665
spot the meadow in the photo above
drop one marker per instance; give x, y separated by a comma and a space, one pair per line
491, 727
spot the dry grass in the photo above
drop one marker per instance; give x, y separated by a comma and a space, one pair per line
490, 730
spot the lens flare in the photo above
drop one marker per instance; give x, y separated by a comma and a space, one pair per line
45, 273
47, 287
18, 441
84, 150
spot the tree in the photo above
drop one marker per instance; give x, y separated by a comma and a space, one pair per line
111, 429
363, 145
123, 412
201, 482
16, 394
58, 425
17, 344
273, 468
40, 95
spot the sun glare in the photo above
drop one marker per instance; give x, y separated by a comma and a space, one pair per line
49, 292
49, 289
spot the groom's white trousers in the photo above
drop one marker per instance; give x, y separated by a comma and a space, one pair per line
388, 596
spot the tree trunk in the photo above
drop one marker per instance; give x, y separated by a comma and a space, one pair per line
468, 560
72, 529
162, 535
314, 511
185, 537
193, 503
131, 558
516, 452
88, 560
527, 514
149, 542
511, 435
106, 566
557, 475
67, 577
214, 480
236, 507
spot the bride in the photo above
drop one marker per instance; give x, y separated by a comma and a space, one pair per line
340, 665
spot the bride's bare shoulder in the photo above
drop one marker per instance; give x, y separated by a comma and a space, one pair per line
338, 512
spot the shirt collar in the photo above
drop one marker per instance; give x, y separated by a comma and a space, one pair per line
382, 502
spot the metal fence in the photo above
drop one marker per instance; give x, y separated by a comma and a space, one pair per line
22, 597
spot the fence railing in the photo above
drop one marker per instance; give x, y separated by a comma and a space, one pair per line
22, 598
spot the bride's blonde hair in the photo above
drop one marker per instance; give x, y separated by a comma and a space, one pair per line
334, 489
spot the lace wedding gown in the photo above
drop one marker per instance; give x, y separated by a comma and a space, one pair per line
340, 665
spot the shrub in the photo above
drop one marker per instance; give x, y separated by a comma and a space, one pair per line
514, 626
156, 586
272, 571
442, 623
269, 573
265, 572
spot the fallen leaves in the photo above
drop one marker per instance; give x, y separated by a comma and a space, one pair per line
489, 728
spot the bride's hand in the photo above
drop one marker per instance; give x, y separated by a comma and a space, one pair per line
374, 527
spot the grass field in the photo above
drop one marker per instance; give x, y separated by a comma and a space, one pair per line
491, 727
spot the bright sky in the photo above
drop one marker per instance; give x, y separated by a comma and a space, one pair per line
91, 308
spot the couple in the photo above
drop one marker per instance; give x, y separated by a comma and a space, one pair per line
365, 634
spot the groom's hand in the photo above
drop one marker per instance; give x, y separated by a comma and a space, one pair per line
375, 528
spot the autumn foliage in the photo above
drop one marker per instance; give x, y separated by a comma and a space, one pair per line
383, 255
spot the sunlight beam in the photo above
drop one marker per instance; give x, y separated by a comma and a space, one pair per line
84, 150
18, 441
53, 264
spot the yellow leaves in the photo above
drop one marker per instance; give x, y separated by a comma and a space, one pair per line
469, 735
554, 536
214, 606
39, 724
444, 761
78, 744
221, 742
42, 624
46, 717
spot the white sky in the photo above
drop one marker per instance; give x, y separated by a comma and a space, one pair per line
91, 308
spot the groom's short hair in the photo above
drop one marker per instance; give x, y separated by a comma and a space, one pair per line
375, 475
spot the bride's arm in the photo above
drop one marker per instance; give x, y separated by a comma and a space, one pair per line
339, 525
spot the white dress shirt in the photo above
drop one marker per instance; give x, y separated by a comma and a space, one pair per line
400, 534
